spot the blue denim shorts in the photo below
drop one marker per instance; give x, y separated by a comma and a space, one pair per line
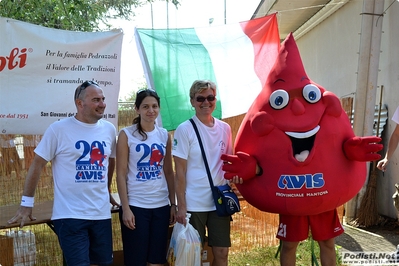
85, 242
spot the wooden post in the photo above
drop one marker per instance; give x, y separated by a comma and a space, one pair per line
366, 88
6, 251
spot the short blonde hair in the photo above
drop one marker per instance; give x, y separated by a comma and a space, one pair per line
200, 85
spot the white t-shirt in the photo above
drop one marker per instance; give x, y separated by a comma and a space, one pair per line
146, 183
79, 154
395, 116
217, 141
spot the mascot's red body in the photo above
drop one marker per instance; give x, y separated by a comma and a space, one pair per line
300, 136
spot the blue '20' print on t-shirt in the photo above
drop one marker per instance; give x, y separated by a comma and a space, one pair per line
150, 164
91, 169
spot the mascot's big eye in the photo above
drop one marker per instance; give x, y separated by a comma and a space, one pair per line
279, 99
311, 93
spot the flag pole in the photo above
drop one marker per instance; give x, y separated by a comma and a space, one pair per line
152, 17
225, 16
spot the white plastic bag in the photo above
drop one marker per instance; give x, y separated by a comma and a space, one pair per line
185, 245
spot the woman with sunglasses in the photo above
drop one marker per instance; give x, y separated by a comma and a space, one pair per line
145, 181
193, 191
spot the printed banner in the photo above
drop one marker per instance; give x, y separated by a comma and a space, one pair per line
237, 57
41, 67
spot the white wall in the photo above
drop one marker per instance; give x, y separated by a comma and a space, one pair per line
330, 56
330, 51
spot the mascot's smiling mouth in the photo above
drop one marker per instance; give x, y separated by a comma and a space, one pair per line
302, 143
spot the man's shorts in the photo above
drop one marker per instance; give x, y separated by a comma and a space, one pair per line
218, 228
85, 242
323, 226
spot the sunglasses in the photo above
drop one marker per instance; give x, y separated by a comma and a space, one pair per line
202, 99
84, 85
143, 90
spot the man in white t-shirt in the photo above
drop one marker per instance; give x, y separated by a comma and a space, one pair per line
82, 152
393, 143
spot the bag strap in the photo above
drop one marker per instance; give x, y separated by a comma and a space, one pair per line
203, 152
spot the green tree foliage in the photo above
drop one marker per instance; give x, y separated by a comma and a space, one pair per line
76, 15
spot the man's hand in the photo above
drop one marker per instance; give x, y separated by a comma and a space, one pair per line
382, 165
241, 165
22, 214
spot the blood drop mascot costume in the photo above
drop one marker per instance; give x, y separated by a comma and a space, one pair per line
301, 138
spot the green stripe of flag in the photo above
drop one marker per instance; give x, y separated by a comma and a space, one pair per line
176, 58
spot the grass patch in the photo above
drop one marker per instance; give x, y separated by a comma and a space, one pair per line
266, 256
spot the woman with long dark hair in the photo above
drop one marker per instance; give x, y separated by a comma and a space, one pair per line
145, 182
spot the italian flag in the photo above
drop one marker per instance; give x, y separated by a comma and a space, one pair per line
237, 57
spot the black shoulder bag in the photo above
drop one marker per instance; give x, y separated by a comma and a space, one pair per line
225, 199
